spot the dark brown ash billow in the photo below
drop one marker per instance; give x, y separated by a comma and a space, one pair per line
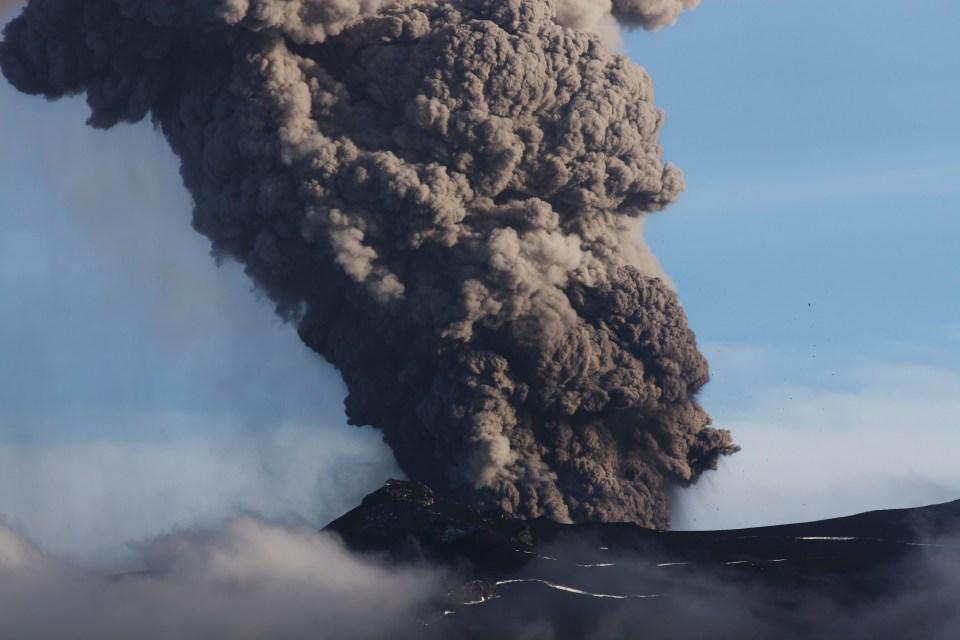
445, 197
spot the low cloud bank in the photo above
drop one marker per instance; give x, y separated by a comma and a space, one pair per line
249, 579
877, 427
86, 501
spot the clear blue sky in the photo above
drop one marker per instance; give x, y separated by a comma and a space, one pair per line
815, 247
143, 390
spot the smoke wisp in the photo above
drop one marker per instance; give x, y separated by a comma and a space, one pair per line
444, 197
605, 17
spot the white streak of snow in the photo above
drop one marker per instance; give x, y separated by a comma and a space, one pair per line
577, 591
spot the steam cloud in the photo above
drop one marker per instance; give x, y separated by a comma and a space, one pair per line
248, 579
445, 197
251, 578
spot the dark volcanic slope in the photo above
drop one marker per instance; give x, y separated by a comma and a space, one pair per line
868, 575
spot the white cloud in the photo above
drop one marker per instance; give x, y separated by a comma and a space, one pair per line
796, 188
854, 433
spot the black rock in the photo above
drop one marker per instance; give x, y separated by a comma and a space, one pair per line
876, 574
406, 522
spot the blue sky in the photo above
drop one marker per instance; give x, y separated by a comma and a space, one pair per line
814, 248
144, 390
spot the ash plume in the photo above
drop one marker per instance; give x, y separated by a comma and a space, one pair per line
444, 197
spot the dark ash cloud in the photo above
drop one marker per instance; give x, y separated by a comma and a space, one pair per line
443, 197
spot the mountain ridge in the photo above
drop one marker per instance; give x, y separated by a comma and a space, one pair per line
510, 575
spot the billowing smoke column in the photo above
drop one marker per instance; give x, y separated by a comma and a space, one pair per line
444, 197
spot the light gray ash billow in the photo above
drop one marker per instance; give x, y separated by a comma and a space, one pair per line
445, 198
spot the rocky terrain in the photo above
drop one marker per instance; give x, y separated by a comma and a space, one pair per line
886, 574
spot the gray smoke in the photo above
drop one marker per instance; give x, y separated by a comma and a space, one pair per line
247, 579
603, 16
444, 197
651, 14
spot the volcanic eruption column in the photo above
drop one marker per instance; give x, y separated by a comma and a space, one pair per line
445, 197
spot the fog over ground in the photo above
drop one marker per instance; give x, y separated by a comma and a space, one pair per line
248, 578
